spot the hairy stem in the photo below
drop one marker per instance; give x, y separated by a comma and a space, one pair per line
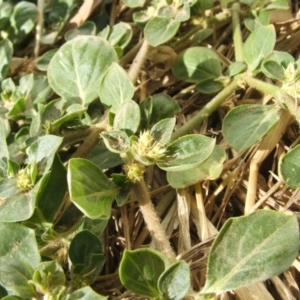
153, 223
206, 111
237, 34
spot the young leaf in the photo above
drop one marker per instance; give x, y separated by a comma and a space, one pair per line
115, 87
251, 249
188, 152
197, 64
120, 35
134, 3
244, 125
211, 169
140, 270
127, 117
116, 141
43, 61
90, 190
77, 68
162, 130
6, 51
86, 293
290, 168
174, 283
160, 30
258, 45
87, 28
18, 243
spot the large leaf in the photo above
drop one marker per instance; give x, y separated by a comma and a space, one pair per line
140, 270
197, 64
18, 242
251, 249
188, 152
77, 68
258, 45
211, 169
160, 30
90, 190
290, 168
244, 125
6, 51
115, 87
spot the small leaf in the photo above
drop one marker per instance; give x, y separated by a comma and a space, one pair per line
116, 141
209, 86
251, 249
127, 117
120, 35
87, 28
77, 68
160, 30
197, 64
18, 243
188, 152
258, 45
163, 130
6, 51
44, 60
210, 169
90, 190
290, 168
86, 293
236, 68
134, 3
244, 125
140, 270
174, 283
115, 87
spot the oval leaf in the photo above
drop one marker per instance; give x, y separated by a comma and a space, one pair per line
77, 68
162, 130
6, 51
90, 190
258, 45
115, 87
251, 249
160, 30
197, 64
290, 168
188, 152
244, 125
140, 270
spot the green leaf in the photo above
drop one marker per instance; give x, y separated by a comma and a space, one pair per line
210, 169
244, 125
49, 277
160, 30
134, 3
259, 45
274, 65
44, 60
251, 249
86, 250
127, 117
174, 283
209, 86
116, 141
188, 152
90, 190
3, 145
42, 152
22, 21
163, 107
96, 226
56, 181
120, 35
115, 87
87, 28
278, 4
14, 276
290, 168
85, 293
202, 35
163, 130
18, 243
140, 270
14, 204
77, 68
197, 64
6, 51
236, 68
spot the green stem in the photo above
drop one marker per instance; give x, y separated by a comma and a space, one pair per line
153, 223
207, 110
237, 34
